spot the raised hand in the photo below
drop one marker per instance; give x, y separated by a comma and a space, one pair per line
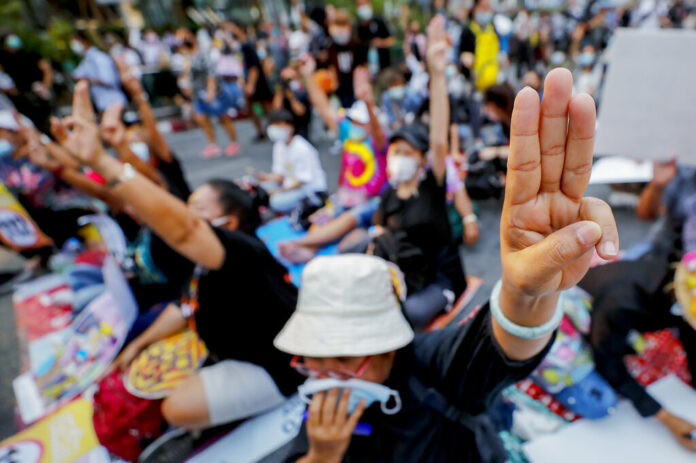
664, 172
83, 140
112, 129
307, 65
362, 85
34, 148
438, 45
129, 80
548, 231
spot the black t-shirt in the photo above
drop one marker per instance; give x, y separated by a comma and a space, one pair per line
467, 366
375, 28
23, 67
345, 58
423, 217
251, 61
301, 122
245, 304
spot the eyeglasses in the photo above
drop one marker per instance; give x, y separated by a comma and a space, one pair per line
311, 372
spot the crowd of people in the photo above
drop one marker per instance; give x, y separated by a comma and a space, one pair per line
476, 105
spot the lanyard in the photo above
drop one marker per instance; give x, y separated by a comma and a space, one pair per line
189, 303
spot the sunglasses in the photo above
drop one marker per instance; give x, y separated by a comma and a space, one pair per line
306, 370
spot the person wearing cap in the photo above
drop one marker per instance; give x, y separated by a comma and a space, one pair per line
360, 134
297, 173
435, 388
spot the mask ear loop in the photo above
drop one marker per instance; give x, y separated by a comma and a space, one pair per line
397, 405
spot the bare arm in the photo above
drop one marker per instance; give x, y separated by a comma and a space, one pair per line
317, 97
438, 49
169, 322
650, 203
47, 71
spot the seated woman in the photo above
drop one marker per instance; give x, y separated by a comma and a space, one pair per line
435, 389
238, 297
297, 173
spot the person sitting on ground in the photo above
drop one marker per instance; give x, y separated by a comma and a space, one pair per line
239, 295
363, 172
438, 386
297, 173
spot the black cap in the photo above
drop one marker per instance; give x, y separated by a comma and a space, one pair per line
281, 115
415, 135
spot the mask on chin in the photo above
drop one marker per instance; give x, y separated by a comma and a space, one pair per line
359, 390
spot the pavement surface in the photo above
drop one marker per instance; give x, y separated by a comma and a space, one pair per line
482, 259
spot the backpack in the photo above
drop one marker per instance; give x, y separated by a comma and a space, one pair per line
125, 424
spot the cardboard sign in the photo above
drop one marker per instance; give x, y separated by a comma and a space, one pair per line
17, 230
648, 104
61, 438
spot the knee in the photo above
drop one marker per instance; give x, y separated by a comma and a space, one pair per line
176, 412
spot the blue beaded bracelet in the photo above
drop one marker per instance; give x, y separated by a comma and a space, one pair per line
524, 332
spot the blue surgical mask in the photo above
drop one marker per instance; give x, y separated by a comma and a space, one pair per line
484, 18
397, 93
450, 71
586, 58
13, 42
359, 390
6, 148
357, 133
261, 52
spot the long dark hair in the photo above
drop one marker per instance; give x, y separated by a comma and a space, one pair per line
239, 203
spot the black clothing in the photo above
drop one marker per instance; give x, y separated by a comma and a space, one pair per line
629, 296
375, 28
345, 58
465, 366
251, 61
301, 122
174, 176
245, 304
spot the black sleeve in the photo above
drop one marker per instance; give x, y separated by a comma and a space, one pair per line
239, 247
251, 59
382, 29
608, 331
467, 365
359, 55
467, 41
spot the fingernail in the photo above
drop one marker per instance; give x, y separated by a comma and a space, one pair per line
608, 248
589, 233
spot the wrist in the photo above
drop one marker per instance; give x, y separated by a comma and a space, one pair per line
321, 457
663, 416
525, 309
469, 219
106, 166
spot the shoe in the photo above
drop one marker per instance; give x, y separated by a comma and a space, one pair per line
259, 138
211, 150
232, 149
173, 446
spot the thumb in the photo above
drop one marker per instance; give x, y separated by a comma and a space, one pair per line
558, 250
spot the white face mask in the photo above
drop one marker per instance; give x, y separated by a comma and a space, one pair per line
77, 47
277, 133
341, 37
220, 221
397, 93
365, 12
141, 150
359, 390
401, 169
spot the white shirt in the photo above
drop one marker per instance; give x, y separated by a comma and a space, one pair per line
97, 65
299, 161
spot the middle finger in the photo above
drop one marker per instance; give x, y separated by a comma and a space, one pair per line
553, 126
329, 409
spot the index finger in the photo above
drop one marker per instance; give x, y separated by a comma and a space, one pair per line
524, 161
82, 106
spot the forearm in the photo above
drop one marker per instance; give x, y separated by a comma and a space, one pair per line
149, 120
297, 107
462, 203
165, 214
252, 80
439, 122
320, 101
76, 179
650, 202
169, 322
126, 155
376, 127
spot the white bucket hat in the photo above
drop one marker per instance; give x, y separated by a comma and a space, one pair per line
347, 307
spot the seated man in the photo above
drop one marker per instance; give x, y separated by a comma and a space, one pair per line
297, 173
436, 387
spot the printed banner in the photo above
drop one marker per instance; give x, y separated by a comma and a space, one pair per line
17, 230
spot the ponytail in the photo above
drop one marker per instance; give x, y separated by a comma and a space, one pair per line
241, 204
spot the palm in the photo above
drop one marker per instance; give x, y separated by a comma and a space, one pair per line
548, 171
83, 140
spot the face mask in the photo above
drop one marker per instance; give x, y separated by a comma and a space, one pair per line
220, 221
261, 52
295, 86
359, 390
277, 133
77, 47
586, 58
6, 148
341, 38
13, 42
397, 93
401, 169
484, 18
365, 12
357, 133
141, 150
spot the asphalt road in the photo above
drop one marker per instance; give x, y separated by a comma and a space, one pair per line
481, 260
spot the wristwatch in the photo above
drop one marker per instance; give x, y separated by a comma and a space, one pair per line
470, 218
126, 174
